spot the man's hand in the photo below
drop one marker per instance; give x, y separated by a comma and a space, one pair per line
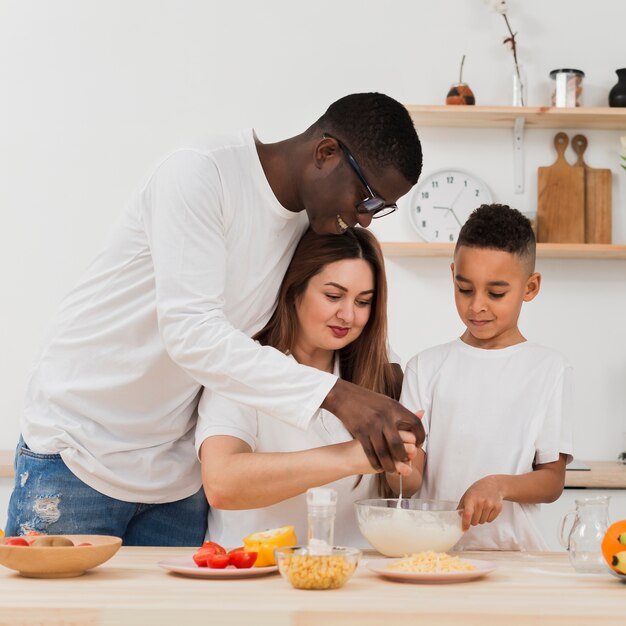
482, 502
375, 419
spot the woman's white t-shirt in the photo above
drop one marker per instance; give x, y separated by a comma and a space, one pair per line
219, 416
490, 412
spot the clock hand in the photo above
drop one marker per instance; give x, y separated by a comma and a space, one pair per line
455, 217
445, 208
458, 195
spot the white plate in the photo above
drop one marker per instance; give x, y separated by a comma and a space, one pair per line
185, 565
379, 567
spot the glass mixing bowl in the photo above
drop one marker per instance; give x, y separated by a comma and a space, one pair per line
417, 526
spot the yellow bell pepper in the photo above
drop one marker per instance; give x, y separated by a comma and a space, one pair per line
264, 542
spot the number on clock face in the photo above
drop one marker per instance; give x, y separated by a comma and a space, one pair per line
441, 203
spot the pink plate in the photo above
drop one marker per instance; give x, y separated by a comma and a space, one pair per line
379, 566
186, 566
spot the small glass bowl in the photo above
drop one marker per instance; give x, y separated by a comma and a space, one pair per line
314, 571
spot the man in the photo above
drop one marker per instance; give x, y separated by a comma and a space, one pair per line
191, 272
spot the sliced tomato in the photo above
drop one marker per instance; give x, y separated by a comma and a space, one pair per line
216, 546
242, 559
16, 541
207, 549
200, 557
218, 561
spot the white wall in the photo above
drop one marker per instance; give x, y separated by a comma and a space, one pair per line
94, 92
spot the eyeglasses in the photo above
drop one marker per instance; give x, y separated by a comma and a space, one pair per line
373, 205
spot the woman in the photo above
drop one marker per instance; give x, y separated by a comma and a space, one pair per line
331, 315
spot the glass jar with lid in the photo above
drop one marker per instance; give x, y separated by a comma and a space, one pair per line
567, 87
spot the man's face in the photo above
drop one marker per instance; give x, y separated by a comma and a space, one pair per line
333, 190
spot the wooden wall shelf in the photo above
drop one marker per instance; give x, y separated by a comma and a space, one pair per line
544, 250
456, 116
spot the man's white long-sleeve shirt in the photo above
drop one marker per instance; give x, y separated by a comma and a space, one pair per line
191, 272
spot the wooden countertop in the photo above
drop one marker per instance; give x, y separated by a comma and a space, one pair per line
601, 475
132, 589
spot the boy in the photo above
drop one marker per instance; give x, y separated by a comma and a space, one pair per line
497, 407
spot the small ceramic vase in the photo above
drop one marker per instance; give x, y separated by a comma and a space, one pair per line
460, 93
617, 95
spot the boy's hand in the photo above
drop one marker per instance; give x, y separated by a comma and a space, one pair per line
481, 503
362, 465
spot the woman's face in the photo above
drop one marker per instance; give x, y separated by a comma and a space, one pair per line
335, 306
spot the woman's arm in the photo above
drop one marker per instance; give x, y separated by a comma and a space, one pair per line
228, 465
482, 502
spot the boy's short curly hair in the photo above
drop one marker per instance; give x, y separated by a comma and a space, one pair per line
500, 227
378, 130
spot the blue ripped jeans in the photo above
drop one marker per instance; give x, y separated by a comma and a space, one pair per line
48, 498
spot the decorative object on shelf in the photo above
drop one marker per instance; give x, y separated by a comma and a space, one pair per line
440, 203
519, 85
561, 199
460, 93
567, 88
598, 209
617, 95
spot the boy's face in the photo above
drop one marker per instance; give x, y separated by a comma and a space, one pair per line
489, 289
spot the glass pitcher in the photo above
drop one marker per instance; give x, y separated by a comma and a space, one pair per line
584, 539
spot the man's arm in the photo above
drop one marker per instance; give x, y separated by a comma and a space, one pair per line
183, 221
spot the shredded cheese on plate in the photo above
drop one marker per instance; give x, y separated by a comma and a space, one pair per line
431, 562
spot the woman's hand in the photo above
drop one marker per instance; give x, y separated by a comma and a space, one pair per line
361, 464
482, 502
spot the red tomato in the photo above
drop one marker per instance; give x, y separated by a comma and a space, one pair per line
241, 559
218, 561
216, 546
16, 541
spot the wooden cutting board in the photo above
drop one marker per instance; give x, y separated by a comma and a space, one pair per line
561, 201
598, 207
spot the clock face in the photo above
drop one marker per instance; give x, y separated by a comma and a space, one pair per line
440, 203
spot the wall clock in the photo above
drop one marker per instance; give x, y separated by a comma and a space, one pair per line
440, 203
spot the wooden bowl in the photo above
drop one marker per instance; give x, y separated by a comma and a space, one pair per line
59, 562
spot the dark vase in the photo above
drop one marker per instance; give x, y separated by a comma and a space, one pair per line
617, 95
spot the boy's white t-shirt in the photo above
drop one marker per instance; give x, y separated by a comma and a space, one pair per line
490, 412
219, 416
191, 272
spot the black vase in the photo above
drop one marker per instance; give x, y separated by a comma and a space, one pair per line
617, 95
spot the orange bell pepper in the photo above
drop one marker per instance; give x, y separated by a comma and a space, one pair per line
264, 542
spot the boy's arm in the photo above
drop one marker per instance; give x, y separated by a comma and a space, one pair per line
482, 502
